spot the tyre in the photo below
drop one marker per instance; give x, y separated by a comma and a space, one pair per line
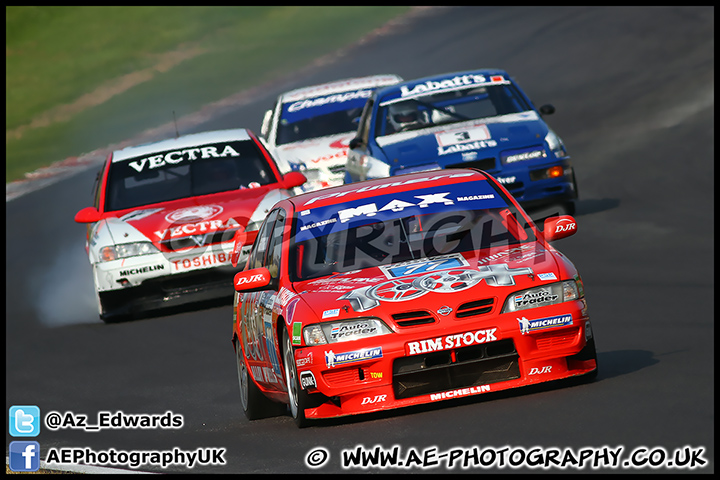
255, 405
104, 313
298, 396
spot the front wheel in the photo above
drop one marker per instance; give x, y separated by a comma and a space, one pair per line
298, 397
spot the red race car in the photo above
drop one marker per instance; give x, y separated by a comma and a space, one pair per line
165, 216
402, 291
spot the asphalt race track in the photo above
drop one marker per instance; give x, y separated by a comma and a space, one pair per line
634, 93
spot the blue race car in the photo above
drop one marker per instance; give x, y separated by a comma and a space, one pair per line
478, 119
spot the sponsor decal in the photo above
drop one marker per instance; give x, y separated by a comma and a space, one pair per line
534, 298
451, 341
284, 296
264, 374
476, 197
416, 267
303, 360
469, 156
458, 81
334, 98
296, 336
342, 154
193, 214
136, 271
464, 147
565, 225
375, 399
462, 135
186, 155
531, 326
387, 185
307, 380
358, 328
540, 371
331, 313
341, 215
506, 180
395, 205
460, 392
447, 281
518, 157
318, 224
139, 214
191, 230
251, 279
202, 261
516, 254
547, 276
334, 360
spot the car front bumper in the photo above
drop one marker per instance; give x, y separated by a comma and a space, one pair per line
385, 374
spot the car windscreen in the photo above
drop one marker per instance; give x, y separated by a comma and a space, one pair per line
192, 171
451, 106
404, 226
321, 116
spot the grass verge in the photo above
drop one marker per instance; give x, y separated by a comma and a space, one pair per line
80, 78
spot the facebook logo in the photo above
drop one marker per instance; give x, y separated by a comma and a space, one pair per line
24, 421
24, 456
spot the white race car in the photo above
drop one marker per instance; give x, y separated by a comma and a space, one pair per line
310, 128
167, 215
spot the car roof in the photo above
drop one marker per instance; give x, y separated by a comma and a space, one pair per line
371, 188
183, 141
372, 81
433, 83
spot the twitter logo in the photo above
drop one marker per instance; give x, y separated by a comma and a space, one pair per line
24, 421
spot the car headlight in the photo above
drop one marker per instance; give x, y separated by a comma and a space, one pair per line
344, 331
557, 147
125, 250
549, 294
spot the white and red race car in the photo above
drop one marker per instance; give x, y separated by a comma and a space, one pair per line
167, 215
310, 127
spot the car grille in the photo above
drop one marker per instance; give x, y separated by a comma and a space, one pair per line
413, 319
482, 164
350, 376
444, 370
549, 341
477, 307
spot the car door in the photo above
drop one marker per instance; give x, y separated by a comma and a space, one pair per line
251, 311
260, 312
269, 312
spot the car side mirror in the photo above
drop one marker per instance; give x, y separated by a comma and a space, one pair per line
238, 241
556, 228
252, 280
87, 215
293, 179
265, 127
355, 143
547, 109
